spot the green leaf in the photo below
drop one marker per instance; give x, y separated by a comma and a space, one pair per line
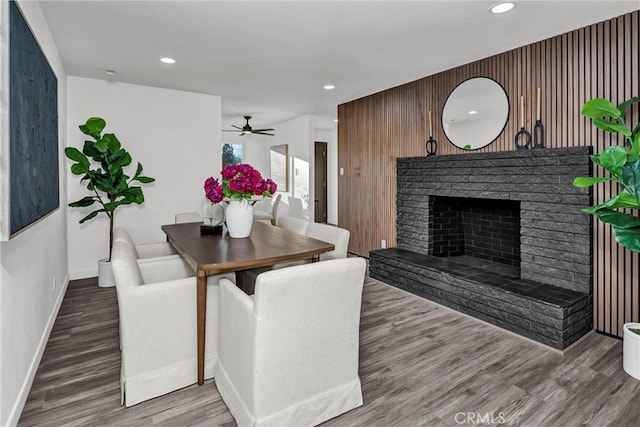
112, 140
619, 219
121, 162
622, 200
628, 237
589, 181
634, 154
138, 170
600, 107
134, 194
612, 159
94, 126
612, 127
111, 206
74, 154
623, 107
84, 202
78, 169
630, 178
144, 179
89, 149
91, 216
102, 145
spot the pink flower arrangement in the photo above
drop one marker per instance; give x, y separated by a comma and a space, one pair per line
238, 182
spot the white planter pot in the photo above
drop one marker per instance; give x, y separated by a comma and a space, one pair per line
239, 218
631, 350
105, 274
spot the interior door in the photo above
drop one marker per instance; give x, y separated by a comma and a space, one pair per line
320, 202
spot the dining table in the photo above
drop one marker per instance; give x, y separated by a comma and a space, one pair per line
210, 254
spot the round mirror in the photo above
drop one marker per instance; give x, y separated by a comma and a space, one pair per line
475, 113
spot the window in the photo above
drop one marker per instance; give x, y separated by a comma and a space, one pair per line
232, 154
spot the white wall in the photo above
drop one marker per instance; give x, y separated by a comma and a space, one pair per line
298, 135
175, 135
31, 264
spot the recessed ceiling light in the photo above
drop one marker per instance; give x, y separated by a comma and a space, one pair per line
335, 120
168, 60
502, 7
473, 112
329, 87
110, 72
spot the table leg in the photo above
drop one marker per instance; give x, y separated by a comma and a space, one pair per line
315, 258
201, 296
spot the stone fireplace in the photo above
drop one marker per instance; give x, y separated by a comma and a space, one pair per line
499, 236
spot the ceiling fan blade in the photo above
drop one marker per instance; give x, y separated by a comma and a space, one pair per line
230, 130
263, 133
237, 127
263, 130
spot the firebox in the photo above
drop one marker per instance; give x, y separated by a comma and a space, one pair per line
482, 228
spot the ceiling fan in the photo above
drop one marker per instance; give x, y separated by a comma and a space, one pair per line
248, 129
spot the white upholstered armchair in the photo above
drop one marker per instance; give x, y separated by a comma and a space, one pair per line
288, 356
158, 324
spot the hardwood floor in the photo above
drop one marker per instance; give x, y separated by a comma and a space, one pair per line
420, 365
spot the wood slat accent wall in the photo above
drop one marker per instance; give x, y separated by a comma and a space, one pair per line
601, 60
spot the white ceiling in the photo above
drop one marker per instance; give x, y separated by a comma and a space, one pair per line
270, 59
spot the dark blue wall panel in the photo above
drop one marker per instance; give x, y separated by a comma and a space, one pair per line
33, 124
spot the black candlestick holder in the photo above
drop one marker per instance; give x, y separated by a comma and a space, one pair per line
431, 146
538, 135
522, 140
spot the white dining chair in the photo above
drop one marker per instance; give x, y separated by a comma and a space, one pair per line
290, 223
268, 216
144, 250
288, 356
184, 217
158, 325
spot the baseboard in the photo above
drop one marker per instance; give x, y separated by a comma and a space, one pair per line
21, 399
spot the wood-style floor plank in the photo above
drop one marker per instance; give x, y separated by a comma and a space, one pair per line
420, 365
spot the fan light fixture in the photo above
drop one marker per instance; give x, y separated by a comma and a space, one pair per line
248, 129
502, 7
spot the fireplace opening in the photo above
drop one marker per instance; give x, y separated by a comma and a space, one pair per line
481, 228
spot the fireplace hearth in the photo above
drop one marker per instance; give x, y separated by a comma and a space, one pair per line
499, 236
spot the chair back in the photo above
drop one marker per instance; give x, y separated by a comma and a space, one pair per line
187, 217
332, 234
125, 266
275, 205
121, 235
296, 225
312, 309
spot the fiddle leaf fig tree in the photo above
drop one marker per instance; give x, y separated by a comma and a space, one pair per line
102, 163
623, 164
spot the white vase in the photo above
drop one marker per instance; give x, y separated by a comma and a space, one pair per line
239, 217
105, 274
631, 350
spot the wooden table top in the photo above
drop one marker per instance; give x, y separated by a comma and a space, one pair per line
267, 245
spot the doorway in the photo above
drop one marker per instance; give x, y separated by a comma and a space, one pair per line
320, 186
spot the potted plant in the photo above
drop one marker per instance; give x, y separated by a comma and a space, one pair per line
240, 183
102, 163
620, 211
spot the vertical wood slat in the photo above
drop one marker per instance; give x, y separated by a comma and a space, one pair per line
601, 60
